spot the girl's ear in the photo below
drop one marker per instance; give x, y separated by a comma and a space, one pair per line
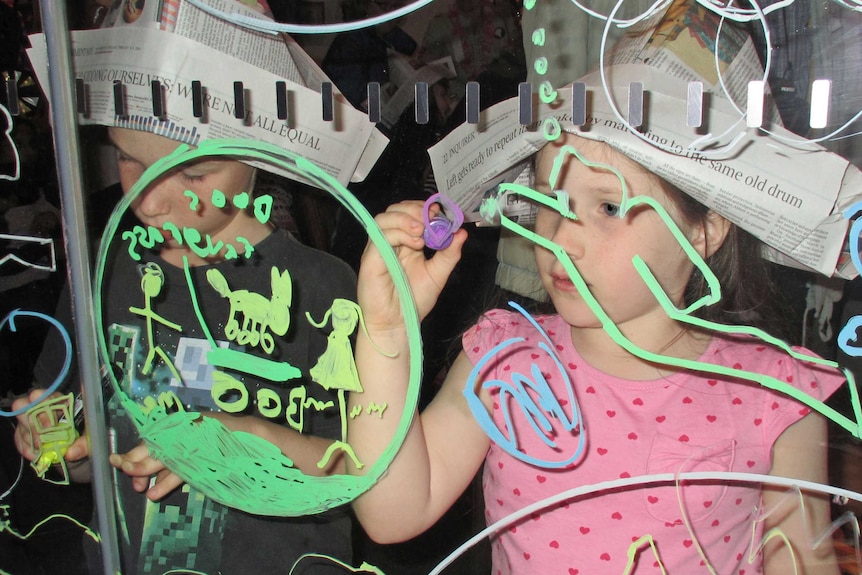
710, 235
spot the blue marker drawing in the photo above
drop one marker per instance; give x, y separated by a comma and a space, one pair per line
539, 416
67, 362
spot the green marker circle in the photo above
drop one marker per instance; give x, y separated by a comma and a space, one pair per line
296, 493
218, 199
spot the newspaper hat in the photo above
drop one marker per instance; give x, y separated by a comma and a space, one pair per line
787, 191
164, 72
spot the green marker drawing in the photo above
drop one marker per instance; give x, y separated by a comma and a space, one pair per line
151, 286
492, 207
336, 369
259, 314
237, 469
193, 203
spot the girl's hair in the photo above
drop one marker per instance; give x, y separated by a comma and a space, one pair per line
749, 294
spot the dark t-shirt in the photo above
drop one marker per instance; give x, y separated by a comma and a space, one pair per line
188, 530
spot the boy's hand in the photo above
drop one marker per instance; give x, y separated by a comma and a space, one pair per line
402, 225
28, 443
141, 467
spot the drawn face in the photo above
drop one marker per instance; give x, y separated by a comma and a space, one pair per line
601, 244
167, 199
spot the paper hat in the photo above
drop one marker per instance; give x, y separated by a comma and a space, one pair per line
785, 190
165, 73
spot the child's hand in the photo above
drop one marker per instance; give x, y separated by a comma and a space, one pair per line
141, 467
28, 443
402, 226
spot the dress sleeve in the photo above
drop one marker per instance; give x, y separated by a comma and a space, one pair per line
488, 332
814, 380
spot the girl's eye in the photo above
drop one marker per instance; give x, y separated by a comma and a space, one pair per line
609, 209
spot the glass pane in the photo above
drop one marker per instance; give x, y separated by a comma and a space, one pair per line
643, 360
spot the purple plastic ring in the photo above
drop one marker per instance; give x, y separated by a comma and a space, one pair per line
440, 229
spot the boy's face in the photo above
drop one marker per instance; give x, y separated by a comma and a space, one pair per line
166, 199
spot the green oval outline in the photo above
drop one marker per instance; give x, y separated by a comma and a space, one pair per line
250, 150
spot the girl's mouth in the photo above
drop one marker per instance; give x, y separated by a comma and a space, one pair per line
563, 282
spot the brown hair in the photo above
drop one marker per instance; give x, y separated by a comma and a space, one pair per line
749, 295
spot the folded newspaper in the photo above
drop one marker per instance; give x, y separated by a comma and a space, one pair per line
187, 45
788, 192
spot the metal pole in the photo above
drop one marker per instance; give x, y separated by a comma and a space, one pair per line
77, 242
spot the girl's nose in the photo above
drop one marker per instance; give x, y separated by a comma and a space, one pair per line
569, 235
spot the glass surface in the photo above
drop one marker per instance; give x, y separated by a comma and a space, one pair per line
614, 426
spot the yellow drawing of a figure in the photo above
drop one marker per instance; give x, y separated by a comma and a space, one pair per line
335, 368
151, 285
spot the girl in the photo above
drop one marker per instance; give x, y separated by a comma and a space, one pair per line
636, 417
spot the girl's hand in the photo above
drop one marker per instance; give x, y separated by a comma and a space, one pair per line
402, 225
141, 467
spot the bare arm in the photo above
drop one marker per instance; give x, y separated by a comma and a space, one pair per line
444, 447
800, 453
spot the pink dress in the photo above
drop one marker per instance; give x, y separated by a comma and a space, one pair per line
686, 422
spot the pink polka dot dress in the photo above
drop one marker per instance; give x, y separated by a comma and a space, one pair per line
686, 422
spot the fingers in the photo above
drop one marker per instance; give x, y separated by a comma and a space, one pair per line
166, 481
402, 225
149, 475
78, 450
26, 439
24, 442
137, 462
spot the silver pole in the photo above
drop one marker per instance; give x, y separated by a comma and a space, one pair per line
76, 238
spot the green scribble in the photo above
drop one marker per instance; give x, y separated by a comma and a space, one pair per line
5, 525
230, 467
218, 199
174, 231
547, 94
259, 314
249, 249
684, 315
538, 37
363, 568
299, 402
252, 364
375, 408
148, 237
263, 208
151, 286
193, 197
241, 200
193, 237
541, 66
633, 554
223, 385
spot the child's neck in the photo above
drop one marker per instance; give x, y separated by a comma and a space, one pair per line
602, 352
